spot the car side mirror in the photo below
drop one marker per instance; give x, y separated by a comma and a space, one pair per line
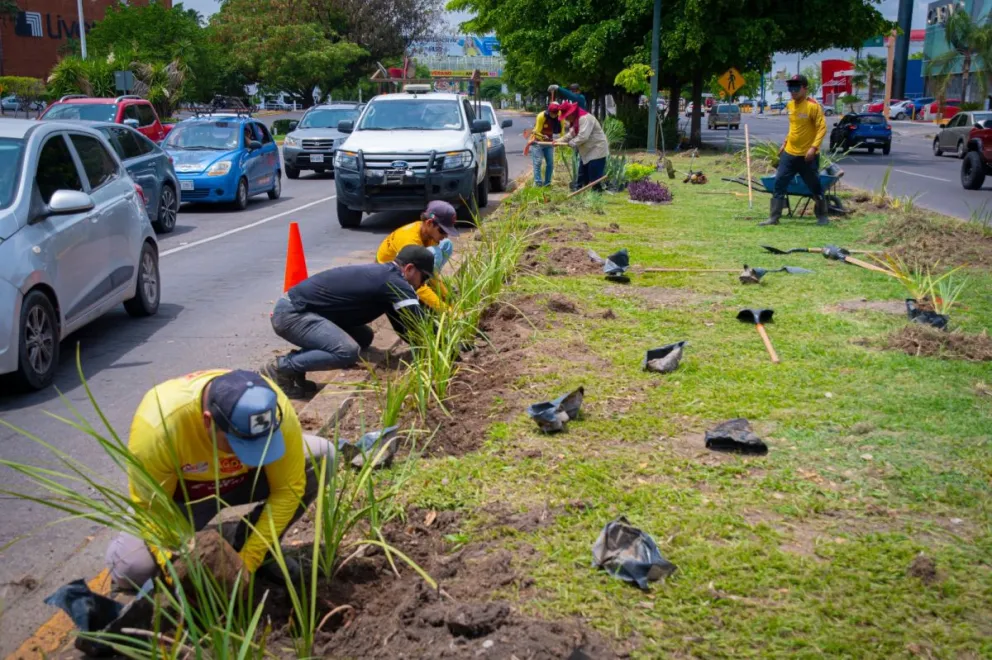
506, 123
133, 123
254, 145
293, 124
481, 126
64, 202
346, 126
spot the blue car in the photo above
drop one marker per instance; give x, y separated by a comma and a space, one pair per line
224, 159
868, 130
151, 168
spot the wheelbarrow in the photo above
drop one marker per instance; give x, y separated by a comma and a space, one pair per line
798, 188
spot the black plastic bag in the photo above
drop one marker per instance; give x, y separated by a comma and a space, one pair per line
665, 359
626, 552
925, 317
551, 416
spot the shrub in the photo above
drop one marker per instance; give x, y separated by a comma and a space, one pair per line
649, 191
280, 126
615, 131
638, 171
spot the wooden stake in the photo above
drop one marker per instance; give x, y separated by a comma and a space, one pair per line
747, 154
865, 264
768, 343
587, 187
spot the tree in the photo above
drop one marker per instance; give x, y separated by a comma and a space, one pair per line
8, 12
491, 89
868, 71
298, 59
812, 74
968, 40
27, 90
849, 100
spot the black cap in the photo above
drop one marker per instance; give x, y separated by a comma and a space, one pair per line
420, 257
798, 78
443, 214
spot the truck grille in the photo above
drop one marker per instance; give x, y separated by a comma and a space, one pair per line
322, 144
416, 162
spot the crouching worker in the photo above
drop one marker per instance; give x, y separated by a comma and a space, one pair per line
327, 314
215, 439
436, 225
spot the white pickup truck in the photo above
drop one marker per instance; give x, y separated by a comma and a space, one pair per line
408, 149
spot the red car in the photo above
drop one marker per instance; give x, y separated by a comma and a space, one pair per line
877, 106
134, 111
951, 108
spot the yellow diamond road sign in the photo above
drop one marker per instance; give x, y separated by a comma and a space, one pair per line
731, 81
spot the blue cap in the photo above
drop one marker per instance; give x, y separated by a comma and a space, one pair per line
246, 408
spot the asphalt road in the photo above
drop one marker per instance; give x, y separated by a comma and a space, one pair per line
915, 170
222, 271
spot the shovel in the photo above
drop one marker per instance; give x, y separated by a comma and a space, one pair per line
840, 254
753, 275
759, 317
775, 250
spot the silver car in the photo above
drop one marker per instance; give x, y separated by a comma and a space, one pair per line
311, 142
75, 241
725, 114
954, 135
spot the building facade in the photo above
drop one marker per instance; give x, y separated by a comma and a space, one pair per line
935, 44
32, 42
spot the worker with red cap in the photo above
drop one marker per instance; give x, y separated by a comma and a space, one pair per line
547, 128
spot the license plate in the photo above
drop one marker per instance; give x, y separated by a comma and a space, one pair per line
395, 177
316, 158
185, 185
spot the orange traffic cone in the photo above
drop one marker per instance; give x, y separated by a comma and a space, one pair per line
296, 262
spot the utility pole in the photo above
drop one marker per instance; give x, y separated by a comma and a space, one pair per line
82, 28
653, 109
902, 49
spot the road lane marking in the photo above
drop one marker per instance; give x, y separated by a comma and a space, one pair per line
243, 228
924, 176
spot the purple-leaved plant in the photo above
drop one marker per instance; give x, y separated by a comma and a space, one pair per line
649, 191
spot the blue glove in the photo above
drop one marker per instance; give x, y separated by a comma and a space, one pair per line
442, 252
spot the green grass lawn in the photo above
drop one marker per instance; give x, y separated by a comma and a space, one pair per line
875, 456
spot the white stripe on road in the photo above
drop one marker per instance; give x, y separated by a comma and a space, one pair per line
237, 229
924, 176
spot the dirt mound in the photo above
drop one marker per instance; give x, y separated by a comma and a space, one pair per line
920, 340
559, 303
927, 241
401, 617
570, 233
863, 305
923, 569
572, 261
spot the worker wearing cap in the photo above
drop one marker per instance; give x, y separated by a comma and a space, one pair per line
326, 316
547, 128
800, 153
436, 224
209, 440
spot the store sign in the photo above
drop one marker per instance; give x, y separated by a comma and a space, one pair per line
456, 46
37, 25
461, 73
938, 13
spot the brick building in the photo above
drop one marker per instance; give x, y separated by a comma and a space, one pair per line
31, 43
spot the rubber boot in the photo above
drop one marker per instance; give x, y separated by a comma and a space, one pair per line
309, 387
778, 205
820, 209
286, 379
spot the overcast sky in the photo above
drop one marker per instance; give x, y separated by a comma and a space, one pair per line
889, 9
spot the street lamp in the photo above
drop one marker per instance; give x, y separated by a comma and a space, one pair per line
82, 28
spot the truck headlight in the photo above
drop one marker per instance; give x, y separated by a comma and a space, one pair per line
346, 160
457, 160
494, 141
290, 142
219, 168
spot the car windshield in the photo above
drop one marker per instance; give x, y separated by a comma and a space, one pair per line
204, 135
84, 111
327, 117
981, 116
872, 120
412, 115
489, 115
10, 169
727, 109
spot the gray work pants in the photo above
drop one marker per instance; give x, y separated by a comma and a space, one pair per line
323, 345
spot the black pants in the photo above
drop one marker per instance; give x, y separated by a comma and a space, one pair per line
591, 171
789, 166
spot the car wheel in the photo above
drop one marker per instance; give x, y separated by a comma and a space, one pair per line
241, 195
901, 115
886, 148
39, 345
468, 211
276, 187
147, 291
168, 207
937, 151
961, 150
972, 171
348, 218
292, 172
482, 192
502, 182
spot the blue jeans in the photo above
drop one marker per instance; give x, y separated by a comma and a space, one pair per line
591, 171
789, 166
546, 154
323, 345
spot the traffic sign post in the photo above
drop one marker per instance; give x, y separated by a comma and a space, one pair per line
731, 81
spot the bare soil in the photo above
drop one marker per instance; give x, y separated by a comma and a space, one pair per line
923, 240
864, 305
571, 261
923, 341
657, 296
924, 569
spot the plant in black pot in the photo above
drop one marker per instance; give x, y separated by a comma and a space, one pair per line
931, 296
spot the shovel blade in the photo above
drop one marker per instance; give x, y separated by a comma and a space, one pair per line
755, 316
795, 270
775, 250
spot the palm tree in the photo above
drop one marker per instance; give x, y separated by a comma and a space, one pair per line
968, 40
868, 71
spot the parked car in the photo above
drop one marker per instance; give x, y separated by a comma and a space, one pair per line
902, 110
876, 107
688, 109
16, 104
977, 163
310, 143
933, 111
497, 167
224, 158
862, 131
75, 242
954, 135
920, 103
132, 111
724, 114
409, 148
151, 168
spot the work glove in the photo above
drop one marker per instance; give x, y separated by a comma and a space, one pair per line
442, 253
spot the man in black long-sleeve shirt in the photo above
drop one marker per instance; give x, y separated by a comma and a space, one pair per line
327, 315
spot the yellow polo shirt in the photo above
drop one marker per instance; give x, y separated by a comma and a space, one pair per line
807, 127
396, 241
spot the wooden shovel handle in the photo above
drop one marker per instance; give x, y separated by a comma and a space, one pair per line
768, 343
865, 264
691, 270
587, 187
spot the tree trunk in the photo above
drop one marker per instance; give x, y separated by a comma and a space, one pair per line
965, 70
696, 130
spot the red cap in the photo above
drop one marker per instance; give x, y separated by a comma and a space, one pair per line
554, 107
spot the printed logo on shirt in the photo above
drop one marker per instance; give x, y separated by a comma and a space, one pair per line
230, 464
193, 468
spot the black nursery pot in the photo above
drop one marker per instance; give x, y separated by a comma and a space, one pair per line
925, 317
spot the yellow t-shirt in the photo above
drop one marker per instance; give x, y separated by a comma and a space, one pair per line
169, 438
396, 241
806, 127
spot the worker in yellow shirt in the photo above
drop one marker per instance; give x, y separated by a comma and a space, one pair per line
800, 154
259, 457
436, 224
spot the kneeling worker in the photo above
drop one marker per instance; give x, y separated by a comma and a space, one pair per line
436, 224
327, 314
260, 456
